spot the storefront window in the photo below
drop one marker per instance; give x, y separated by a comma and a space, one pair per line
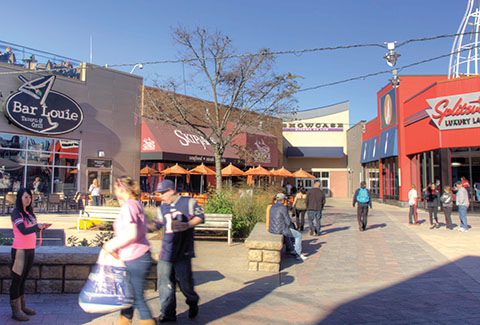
372, 178
45, 175
42, 144
65, 180
390, 178
23, 158
13, 141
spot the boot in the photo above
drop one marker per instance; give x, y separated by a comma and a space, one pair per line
17, 312
147, 322
26, 310
124, 320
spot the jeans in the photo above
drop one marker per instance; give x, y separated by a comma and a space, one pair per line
412, 214
317, 215
170, 273
448, 220
362, 216
462, 213
96, 200
432, 213
138, 270
297, 236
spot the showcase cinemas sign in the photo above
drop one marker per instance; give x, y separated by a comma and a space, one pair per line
455, 112
37, 108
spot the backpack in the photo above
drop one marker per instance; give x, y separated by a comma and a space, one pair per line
362, 196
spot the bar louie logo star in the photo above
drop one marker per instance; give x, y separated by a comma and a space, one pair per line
456, 111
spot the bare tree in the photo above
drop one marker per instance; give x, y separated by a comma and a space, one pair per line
239, 89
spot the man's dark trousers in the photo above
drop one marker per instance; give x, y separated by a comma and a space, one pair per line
362, 214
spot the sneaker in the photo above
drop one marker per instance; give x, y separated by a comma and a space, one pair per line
292, 253
302, 257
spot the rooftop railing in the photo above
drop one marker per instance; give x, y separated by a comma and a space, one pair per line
39, 61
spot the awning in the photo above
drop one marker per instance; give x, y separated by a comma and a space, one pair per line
315, 152
161, 141
373, 149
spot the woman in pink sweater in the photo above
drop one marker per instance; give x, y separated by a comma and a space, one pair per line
131, 246
25, 227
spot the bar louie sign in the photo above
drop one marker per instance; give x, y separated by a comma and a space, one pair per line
37, 108
455, 112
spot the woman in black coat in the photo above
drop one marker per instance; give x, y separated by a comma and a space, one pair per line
432, 197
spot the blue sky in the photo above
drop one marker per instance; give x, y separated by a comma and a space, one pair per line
140, 31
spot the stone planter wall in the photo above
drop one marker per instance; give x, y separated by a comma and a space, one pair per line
58, 269
264, 249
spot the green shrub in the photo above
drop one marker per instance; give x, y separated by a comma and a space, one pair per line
5, 241
246, 204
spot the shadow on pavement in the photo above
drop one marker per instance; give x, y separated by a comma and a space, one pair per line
380, 225
328, 231
235, 301
445, 295
202, 277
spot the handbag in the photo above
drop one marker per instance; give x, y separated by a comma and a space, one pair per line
108, 286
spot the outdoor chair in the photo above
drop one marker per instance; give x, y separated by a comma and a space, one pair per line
54, 201
9, 202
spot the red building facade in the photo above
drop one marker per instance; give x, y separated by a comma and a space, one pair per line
427, 130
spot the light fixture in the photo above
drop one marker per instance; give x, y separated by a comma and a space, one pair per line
101, 153
456, 164
391, 56
138, 65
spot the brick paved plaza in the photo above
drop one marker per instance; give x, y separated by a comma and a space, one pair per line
392, 273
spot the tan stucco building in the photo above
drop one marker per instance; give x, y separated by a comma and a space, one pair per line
316, 140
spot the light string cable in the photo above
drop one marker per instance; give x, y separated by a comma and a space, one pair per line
301, 51
385, 71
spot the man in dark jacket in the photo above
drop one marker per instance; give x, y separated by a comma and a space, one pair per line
363, 198
280, 223
315, 204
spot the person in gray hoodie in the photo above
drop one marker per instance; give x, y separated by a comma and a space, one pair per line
447, 203
463, 203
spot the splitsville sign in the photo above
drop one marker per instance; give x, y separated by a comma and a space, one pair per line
37, 108
455, 112
312, 127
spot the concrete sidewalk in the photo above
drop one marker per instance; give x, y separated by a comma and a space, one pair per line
392, 273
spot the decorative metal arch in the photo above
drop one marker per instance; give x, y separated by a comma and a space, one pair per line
465, 52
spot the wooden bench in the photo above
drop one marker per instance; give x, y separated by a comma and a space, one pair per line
100, 213
222, 222
50, 237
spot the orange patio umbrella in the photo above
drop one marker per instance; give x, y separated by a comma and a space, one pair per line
175, 170
231, 170
302, 174
283, 172
258, 171
201, 170
149, 171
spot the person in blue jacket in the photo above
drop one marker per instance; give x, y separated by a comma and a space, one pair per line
280, 223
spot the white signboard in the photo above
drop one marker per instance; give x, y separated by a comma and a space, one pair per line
455, 112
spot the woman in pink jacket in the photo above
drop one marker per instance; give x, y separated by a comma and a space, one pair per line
25, 227
131, 246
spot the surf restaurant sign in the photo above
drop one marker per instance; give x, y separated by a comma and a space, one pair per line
455, 112
37, 108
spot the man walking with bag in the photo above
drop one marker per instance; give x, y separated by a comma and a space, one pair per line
315, 204
362, 197
178, 215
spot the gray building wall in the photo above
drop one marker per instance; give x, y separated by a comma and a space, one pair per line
354, 151
110, 101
